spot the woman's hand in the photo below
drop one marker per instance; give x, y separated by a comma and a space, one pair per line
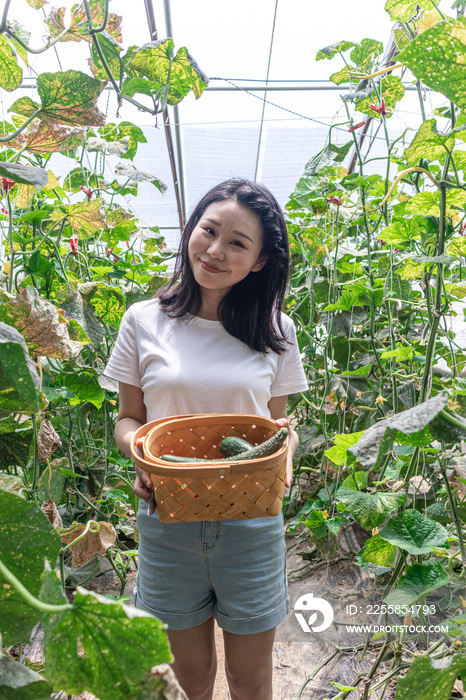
292, 445
142, 484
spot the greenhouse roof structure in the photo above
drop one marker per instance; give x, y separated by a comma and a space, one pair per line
267, 108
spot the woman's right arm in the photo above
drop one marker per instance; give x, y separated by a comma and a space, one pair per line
131, 415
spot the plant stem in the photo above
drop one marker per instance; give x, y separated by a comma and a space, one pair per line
28, 597
457, 521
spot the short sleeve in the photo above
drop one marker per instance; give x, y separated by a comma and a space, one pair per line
290, 377
123, 364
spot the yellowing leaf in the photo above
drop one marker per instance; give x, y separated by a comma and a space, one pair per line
45, 137
86, 218
25, 196
52, 183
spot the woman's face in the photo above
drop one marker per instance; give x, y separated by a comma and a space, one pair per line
225, 247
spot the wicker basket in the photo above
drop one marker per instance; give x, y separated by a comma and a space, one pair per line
232, 490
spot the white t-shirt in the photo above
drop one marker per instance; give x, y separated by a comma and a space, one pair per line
191, 365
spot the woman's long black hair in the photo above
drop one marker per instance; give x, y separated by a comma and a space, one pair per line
251, 309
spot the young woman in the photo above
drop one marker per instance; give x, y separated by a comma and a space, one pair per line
215, 341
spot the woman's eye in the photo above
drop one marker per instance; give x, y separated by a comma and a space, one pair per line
238, 243
210, 231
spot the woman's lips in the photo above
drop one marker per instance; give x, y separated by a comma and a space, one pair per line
210, 268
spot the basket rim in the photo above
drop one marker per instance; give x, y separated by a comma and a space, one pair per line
159, 467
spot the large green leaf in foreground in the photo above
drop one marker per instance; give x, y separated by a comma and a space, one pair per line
27, 539
431, 679
18, 682
437, 57
120, 645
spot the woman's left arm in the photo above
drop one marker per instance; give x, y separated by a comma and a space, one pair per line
277, 407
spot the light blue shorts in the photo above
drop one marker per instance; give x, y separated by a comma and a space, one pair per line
232, 569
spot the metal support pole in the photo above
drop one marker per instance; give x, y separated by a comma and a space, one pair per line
166, 122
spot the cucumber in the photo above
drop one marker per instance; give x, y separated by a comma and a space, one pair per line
269, 447
232, 445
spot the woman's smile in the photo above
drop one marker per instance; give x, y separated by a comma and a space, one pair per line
210, 268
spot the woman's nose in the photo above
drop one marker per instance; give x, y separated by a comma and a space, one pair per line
215, 249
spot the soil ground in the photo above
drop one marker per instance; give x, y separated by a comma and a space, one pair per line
295, 659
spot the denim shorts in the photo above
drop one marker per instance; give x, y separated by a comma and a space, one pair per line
232, 569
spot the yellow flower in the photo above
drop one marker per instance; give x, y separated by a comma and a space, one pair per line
380, 399
325, 514
375, 532
359, 394
6, 268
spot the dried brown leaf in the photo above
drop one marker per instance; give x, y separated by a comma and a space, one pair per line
48, 440
39, 323
91, 544
45, 136
51, 511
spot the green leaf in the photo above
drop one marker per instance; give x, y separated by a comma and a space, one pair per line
400, 353
428, 143
185, 65
378, 551
52, 481
153, 61
341, 76
108, 303
414, 533
337, 453
403, 10
458, 248
111, 52
370, 509
356, 481
128, 170
428, 203
457, 290
85, 388
19, 380
18, 682
11, 74
360, 372
333, 49
131, 86
377, 440
112, 132
327, 156
71, 97
418, 581
120, 645
24, 174
27, 539
431, 679
399, 232
411, 270
392, 92
436, 57
37, 4
24, 106
363, 54
15, 448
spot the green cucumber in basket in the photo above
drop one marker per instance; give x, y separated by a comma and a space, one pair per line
232, 445
269, 447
